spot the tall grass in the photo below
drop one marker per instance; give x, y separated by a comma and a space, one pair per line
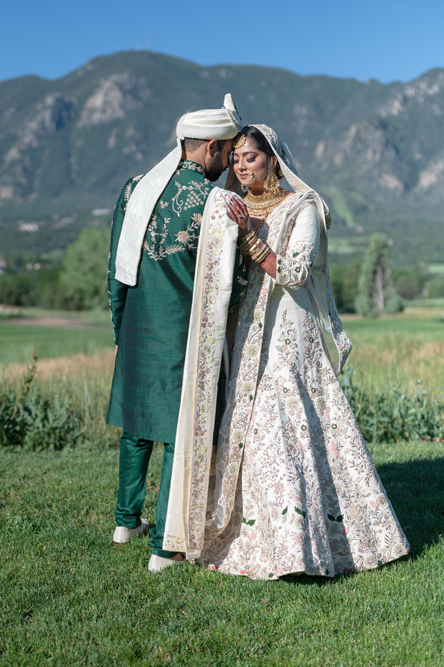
402, 350
56, 403
396, 388
392, 414
64, 404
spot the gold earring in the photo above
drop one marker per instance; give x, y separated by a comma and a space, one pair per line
272, 182
267, 181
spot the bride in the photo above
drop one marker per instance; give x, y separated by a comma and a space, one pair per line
295, 489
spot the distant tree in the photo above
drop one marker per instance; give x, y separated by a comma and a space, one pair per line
83, 275
16, 289
344, 280
435, 288
410, 283
408, 286
48, 292
376, 291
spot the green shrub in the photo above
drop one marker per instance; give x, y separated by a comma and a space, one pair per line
436, 287
344, 280
32, 421
393, 415
83, 274
68, 413
37, 423
409, 286
16, 289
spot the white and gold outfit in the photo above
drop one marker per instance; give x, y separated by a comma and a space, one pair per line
295, 489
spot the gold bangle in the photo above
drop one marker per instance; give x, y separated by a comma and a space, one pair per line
247, 248
245, 239
258, 248
254, 243
254, 248
263, 256
251, 244
261, 252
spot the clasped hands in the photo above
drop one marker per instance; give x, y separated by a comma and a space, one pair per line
238, 212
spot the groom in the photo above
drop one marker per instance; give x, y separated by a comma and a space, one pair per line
152, 263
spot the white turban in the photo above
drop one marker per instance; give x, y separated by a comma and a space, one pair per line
217, 124
222, 123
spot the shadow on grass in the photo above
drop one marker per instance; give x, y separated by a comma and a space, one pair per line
416, 491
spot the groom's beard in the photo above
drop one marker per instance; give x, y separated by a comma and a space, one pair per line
214, 167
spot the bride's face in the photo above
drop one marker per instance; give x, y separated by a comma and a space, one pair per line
250, 165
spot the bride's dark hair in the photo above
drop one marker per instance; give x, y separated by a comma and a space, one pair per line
261, 144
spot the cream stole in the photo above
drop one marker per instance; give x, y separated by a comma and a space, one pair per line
213, 279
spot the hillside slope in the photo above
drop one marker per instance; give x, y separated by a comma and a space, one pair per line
374, 151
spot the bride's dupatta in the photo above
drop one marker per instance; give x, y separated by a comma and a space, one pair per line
187, 504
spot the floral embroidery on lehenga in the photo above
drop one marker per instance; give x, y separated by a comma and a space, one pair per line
296, 490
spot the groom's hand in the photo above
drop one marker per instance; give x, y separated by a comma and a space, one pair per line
238, 212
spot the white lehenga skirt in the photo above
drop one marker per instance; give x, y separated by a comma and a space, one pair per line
308, 497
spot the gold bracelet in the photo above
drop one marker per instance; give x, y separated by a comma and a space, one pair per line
259, 252
256, 249
254, 246
262, 257
248, 247
245, 239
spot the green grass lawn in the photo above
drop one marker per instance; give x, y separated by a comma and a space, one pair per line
70, 598
395, 327
404, 349
18, 341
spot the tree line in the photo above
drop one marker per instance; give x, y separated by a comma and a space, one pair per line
76, 283
367, 286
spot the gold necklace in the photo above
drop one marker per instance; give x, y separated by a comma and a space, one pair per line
260, 206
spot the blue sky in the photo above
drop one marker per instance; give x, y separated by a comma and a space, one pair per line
388, 41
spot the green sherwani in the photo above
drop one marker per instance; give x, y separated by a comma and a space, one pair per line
151, 319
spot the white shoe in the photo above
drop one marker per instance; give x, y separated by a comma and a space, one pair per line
124, 535
157, 563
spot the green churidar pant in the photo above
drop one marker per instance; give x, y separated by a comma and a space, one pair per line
135, 454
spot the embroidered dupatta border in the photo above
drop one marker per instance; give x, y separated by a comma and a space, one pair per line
185, 520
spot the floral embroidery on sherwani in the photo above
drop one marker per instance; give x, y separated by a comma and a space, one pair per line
179, 199
295, 487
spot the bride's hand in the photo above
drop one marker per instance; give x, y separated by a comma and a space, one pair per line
238, 212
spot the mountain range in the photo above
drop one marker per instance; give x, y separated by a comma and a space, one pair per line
374, 151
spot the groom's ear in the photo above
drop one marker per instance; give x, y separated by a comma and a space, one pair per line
211, 148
